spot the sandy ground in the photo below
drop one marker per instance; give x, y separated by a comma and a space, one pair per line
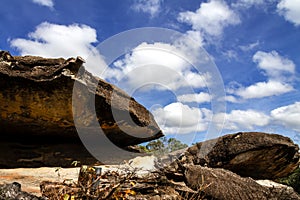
30, 178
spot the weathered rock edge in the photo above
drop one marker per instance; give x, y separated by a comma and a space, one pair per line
249, 154
219, 184
36, 109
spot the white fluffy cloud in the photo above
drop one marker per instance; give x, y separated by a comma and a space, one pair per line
279, 72
201, 97
211, 18
48, 3
151, 7
264, 89
290, 10
190, 44
288, 116
273, 64
53, 40
179, 118
57, 40
160, 64
244, 119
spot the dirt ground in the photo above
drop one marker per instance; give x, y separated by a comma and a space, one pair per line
30, 178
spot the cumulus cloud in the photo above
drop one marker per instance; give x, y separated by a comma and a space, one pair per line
275, 65
264, 89
244, 119
201, 97
151, 7
54, 40
57, 40
211, 18
288, 116
190, 43
178, 118
160, 64
47, 3
279, 72
290, 10
248, 120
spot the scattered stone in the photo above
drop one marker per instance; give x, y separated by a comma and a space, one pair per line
13, 191
30, 178
141, 178
144, 164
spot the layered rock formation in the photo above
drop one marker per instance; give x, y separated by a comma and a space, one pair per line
249, 154
37, 112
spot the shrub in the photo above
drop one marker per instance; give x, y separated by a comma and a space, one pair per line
293, 180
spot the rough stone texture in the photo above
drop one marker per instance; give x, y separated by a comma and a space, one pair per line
13, 191
249, 154
36, 112
220, 184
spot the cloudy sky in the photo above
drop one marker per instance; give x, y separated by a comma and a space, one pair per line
252, 57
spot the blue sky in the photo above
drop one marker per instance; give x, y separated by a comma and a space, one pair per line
254, 45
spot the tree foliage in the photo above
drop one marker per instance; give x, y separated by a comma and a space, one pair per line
164, 145
293, 180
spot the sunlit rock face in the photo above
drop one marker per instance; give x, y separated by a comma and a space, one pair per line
249, 154
37, 112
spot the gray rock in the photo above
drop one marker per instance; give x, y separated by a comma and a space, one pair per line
13, 191
249, 154
222, 184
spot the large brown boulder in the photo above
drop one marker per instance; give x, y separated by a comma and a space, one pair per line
37, 112
249, 154
221, 184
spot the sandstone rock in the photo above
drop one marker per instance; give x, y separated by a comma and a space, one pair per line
222, 184
143, 164
272, 184
37, 112
249, 154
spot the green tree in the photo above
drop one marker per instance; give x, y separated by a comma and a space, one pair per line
293, 180
174, 144
164, 145
155, 145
